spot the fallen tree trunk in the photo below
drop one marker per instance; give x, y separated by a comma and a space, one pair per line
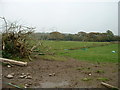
4, 60
108, 85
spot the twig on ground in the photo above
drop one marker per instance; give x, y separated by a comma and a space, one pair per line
108, 85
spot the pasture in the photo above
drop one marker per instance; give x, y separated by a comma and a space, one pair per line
90, 51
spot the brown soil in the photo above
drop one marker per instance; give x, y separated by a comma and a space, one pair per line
68, 74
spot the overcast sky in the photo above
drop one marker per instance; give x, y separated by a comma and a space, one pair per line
66, 16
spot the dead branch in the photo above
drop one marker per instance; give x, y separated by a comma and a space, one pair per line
9, 61
5, 23
36, 46
108, 85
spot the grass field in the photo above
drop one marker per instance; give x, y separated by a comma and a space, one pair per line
90, 51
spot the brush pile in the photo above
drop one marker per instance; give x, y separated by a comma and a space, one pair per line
16, 40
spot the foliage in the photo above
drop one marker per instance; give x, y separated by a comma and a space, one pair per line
56, 36
80, 36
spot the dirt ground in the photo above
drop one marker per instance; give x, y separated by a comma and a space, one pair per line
62, 74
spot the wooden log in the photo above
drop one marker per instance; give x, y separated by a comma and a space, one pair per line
108, 85
4, 60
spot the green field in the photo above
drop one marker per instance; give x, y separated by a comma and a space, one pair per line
90, 51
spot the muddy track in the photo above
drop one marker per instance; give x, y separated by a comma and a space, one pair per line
62, 74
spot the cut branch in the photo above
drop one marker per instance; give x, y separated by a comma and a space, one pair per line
4, 60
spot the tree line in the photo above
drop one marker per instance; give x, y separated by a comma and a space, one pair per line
108, 36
